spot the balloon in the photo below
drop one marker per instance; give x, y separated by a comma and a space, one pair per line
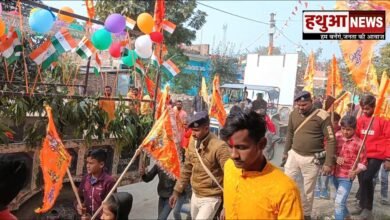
145, 23
144, 54
13, 12
66, 18
115, 23
142, 43
2, 28
101, 39
115, 49
41, 21
130, 59
156, 37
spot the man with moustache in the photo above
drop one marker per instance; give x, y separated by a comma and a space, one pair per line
203, 166
307, 129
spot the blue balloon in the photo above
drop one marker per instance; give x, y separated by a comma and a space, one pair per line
41, 21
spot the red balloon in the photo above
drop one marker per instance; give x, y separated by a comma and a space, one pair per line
156, 37
115, 49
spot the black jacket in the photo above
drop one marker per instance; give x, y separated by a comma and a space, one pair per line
165, 183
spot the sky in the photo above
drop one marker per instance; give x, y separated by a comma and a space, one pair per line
247, 35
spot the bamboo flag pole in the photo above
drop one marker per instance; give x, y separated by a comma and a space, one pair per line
363, 142
137, 152
74, 188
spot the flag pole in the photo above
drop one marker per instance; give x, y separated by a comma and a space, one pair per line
363, 142
137, 152
74, 187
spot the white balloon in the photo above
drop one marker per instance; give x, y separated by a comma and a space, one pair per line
144, 53
142, 43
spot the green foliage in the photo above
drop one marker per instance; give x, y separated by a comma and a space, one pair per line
382, 61
128, 128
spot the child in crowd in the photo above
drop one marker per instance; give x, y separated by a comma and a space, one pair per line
376, 145
117, 207
95, 186
322, 190
348, 145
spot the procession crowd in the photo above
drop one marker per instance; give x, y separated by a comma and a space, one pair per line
230, 176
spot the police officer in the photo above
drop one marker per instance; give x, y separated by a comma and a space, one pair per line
308, 127
204, 161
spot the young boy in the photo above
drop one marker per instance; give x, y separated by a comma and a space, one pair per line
378, 137
96, 184
322, 186
117, 207
348, 145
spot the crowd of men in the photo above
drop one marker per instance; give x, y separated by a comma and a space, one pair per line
230, 176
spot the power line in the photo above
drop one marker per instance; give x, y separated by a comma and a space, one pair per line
235, 15
291, 41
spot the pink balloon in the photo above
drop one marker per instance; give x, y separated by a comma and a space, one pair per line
115, 49
156, 37
13, 12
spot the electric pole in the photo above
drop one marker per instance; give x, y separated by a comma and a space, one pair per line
271, 33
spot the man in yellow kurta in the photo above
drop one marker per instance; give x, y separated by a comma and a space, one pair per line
253, 187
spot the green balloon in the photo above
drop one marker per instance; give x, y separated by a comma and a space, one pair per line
101, 39
130, 59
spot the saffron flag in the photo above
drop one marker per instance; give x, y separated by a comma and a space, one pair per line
203, 91
98, 65
162, 102
139, 67
359, 53
130, 23
309, 74
216, 108
85, 49
150, 86
341, 104
382, 103
45, 54
55, 161
159, 144
63, 41
168, 26
159, 14
334, 85
170, 68
357, 56
371, 81
90, 9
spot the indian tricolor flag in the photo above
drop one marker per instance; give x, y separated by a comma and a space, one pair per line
139, 67
98, 65
130, 23
170, 68
17, 48
7, 47
63, 41
44, 54
85, 49
154, 59
168, 26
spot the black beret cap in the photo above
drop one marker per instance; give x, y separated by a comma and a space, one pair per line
303, 96
199, 119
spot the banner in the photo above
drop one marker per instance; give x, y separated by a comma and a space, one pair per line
55, 160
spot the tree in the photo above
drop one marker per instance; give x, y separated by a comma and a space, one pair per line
382, 61
181, 12
225, 63
261, 50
